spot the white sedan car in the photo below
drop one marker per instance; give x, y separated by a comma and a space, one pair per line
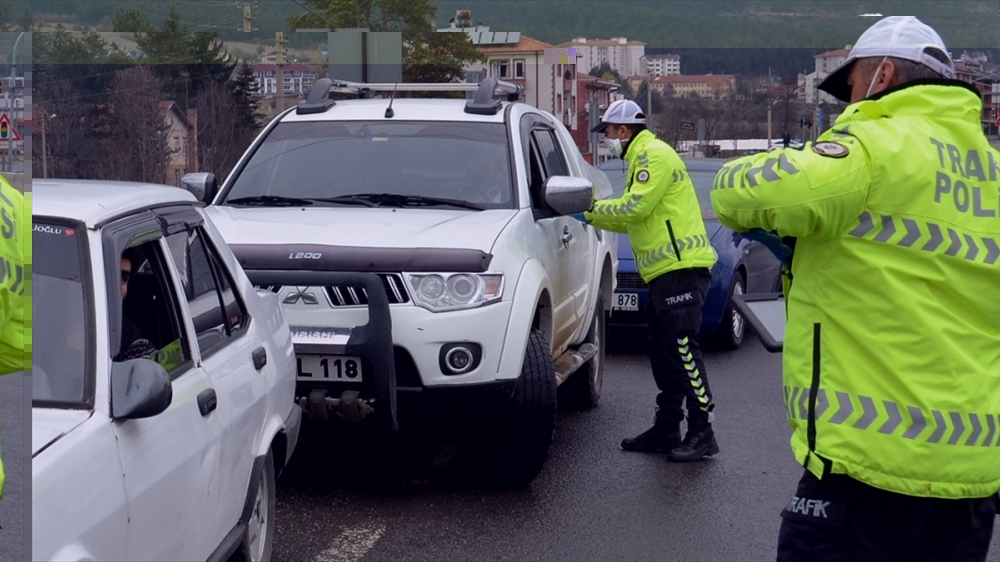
162, 390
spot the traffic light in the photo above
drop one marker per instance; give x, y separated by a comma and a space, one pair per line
810, 124
802, 122
3, 131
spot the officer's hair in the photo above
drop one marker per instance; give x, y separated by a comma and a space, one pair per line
906, 70
635, 128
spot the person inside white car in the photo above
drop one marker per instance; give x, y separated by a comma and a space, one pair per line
133, 344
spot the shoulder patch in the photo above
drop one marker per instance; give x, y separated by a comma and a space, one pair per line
642, 176
831, 149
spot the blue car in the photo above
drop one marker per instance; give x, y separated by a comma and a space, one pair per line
744, 266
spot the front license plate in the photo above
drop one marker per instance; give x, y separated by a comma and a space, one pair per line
329, 368
626, 301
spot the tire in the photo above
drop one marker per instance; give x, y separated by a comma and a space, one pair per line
259, 538
519, 447
583, 389
732, 330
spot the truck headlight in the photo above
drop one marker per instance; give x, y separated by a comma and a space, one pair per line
439, 292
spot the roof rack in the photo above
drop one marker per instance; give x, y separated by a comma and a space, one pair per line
483, 103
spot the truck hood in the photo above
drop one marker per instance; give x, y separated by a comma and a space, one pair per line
362, 227
48, 425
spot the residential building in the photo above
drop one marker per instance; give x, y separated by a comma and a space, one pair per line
714, 86
988, 83
298, 79
826, 63
662, 65
182, 141
623, 56
600, 90
517, 58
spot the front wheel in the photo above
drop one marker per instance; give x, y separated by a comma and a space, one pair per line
730, 334
513, 451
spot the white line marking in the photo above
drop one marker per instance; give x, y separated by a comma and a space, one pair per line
352, 543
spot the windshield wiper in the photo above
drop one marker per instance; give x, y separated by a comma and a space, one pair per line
401, 200
349, 199
270, 201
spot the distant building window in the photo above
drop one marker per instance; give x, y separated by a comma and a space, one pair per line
501, 69
519, 69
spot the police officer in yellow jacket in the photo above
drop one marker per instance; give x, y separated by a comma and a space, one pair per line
659, 210
892, 346
14, 308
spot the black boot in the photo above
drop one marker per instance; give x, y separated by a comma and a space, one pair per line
698, 443
663, 436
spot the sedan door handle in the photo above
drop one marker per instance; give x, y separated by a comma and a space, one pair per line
566, 236
259, 358
207, 401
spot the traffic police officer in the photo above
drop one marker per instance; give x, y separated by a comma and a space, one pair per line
891, 377
15, 309
659, 210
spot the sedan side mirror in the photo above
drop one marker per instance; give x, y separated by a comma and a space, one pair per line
202, 185
140, 388
567, 195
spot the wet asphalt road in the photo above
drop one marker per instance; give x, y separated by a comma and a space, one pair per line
13, 527
341, 501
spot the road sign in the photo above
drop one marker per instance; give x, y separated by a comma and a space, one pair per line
7, 131
687, 126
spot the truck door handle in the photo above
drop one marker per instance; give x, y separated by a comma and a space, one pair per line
566, 236
207, 401
259, 358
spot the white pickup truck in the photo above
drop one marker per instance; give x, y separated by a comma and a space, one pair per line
427, 263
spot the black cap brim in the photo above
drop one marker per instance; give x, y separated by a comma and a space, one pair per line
599, 128
836, 83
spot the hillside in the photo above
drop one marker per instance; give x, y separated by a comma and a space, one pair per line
731, 36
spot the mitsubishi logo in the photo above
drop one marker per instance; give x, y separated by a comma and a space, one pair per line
300, 292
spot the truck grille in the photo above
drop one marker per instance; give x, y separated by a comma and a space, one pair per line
344, 295
631, 281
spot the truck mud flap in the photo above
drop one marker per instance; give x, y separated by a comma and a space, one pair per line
371, 341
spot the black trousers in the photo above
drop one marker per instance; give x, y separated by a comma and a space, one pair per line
839, 518
673, 316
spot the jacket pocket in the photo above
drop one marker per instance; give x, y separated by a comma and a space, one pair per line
673, 241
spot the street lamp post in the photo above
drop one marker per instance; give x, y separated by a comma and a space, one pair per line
45, 154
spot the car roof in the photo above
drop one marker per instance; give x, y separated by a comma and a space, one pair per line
96, 201
404, 109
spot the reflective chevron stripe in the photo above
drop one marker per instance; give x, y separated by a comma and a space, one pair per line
909, 422
908, 232
694, 375
621, 209
650, 258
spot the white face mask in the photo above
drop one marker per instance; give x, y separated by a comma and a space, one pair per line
878, 70
615, 145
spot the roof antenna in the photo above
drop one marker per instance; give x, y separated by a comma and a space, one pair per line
389, 113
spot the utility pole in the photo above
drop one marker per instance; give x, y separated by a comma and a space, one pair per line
769, 122
279, 54
45, 154
247, 18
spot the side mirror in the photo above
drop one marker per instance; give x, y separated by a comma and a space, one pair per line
567, 195
202, 185
140, 388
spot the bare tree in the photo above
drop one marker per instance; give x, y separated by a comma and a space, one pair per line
137, 149
222, 137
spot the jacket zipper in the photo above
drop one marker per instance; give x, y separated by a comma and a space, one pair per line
673, 241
